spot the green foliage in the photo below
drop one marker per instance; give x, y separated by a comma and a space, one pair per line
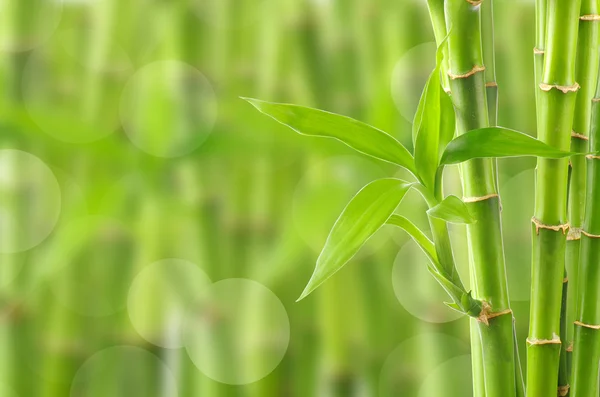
359, 136
433, 126
366, 213
452, 210
497, 142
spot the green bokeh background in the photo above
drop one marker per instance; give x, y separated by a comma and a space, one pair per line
134, 107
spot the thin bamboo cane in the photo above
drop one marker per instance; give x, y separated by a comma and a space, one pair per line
556, 102
467, 83
587, 77
586, 348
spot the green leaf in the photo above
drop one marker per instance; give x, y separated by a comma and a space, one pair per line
497, 142
362, 217
435, 125
453, 210
359, 136
416, 234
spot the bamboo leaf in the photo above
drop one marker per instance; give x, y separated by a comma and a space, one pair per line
453, 210
497, 142
416, 234
435, 121
362, 217
358, 135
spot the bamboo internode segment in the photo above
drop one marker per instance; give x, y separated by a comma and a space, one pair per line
591, 18
574, 234
579, 136
536, 342
539, 225
590, 235
537, 51
563, 390
482, 198
564, 88
474, 70
590, 326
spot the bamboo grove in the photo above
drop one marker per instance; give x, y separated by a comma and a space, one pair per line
122, 126
455, 123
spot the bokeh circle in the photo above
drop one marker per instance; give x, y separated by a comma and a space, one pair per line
158, 299
238, 332
168, 108
123, 371
30, 201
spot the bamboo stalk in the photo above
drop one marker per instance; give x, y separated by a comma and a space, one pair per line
587, 77
556, 102
467, 83
586, 349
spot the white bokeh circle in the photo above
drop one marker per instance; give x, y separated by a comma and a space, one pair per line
123, 371
158, 299
416, 289
70, 95
413, 360
452, 378
42, 16
410, 76
168, 108
238, 332
30, 201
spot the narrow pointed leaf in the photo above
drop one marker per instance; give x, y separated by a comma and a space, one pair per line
359, 136
366, 213
453, 210
497, 142
435, 119
416, 234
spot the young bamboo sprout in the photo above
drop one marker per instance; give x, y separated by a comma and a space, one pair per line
586, 349
587, 77
468, 86
556, 101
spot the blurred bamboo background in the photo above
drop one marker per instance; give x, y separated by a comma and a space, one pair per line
156, 231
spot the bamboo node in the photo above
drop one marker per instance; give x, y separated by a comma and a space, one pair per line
590, 326
590, 17
474, 70
554, 341
474, 2
539, 225
564, 88
565, 280
589, 235
486, 313
491, 84
570, 348
592, 157
537, 51
563, 390
579, 136
595, 99
574, 234
482, 198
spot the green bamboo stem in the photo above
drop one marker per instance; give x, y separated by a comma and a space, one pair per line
587, 77
467, 83
556, 102
540, 42
586, 348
